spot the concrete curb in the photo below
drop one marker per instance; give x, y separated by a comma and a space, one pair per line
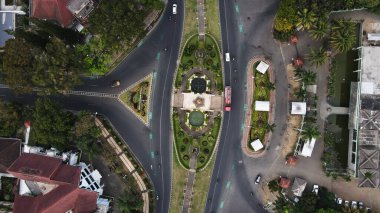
248, 113
146, 122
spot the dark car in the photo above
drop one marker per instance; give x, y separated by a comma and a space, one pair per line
116, 83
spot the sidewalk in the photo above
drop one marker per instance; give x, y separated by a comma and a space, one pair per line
127, 164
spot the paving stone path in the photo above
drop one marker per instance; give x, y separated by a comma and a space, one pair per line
188, 193
201, 18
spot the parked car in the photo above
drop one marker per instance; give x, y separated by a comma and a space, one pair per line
339, 201
258, 179
368, 210
227, 57
315, 189
361, 205
347, 203
354, 204
174, 9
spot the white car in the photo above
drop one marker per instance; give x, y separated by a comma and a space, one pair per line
315, 189
339, 201
228, 57
174, 9
347, 203
354, 204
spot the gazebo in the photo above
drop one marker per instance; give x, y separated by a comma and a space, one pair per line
291, 161
298, 186
284, 182
293, 39
262, 106
257, 145
262, 67
298, 62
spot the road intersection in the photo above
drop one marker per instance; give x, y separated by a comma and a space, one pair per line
246, 32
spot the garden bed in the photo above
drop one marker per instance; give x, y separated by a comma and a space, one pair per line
137, 98
259, 119
210, 60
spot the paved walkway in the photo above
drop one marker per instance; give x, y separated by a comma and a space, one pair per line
188, 194
201, 18
127, 164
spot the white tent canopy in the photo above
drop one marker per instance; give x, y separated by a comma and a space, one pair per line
308, 147
373, 36
298, 108
262, 106
257, 145
262, 67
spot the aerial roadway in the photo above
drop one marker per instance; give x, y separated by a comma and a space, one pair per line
246, 31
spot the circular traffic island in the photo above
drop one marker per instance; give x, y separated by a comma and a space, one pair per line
198, 85
196, 118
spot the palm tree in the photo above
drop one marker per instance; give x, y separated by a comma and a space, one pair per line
310, 132
320, 29
317, 56
309, 77
301, 93
343, 35
269, 85
270, 127
299, 72
306, 19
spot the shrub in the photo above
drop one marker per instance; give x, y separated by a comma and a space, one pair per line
206, 151
209, 61
185, 140
185, 157
183, 148
180, 134
202, 159
210, 138
204, 143
190, 62
213, 54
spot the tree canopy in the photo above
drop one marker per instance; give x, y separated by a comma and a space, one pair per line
86, 134
10, 119
51, 126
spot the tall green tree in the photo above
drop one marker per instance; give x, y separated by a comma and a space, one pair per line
317, 56
86, 134
310, 132
282, 205
306, 19
343, 35
10, 119
56, 70
18, 59
130, 202
51, 126
307, 202
116, 22
274, 186
309, 77
95, 56
320, 29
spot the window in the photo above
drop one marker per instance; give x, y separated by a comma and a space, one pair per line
353, 147
354, 134
353, 158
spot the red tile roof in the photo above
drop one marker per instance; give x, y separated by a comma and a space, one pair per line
46, 169
61, 199
66, 196
10, 150
52, 10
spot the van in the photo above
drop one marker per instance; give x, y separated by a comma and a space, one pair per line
174, 9
227, 57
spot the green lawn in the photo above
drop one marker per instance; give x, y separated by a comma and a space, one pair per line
190, 22
182, 142
178, 182
212, 19
201, 187
207, 144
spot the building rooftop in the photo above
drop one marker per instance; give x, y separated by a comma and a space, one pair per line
41, 168
370, 70
10, 150
52, 10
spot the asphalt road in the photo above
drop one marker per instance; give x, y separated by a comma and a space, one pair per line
246, 31
148, 57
